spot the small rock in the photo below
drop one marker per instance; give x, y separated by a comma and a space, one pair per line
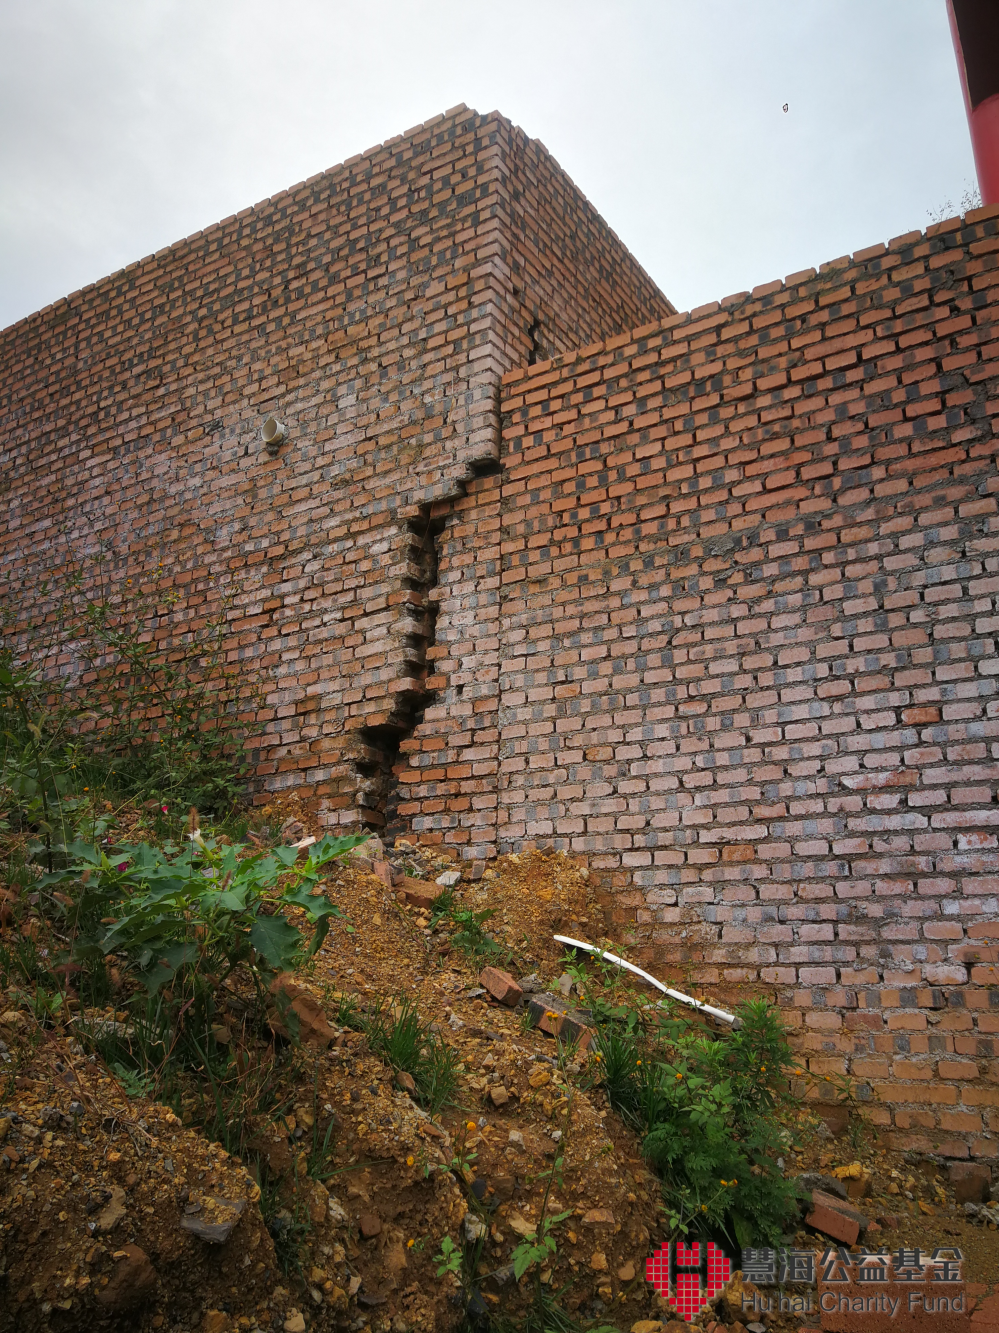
406, 1082
982, 1212
530, 983
498, 1095
292, 830
626, 1272
501, 986
474, 1228
598, 1217
518, 1224
318, 1204
565, 984
394, 1262
516, 1139
598, 1262
476, 993
337, 1213
295, 1323
215, 1321
647, 1326
132, 1282
504, 1187
371, 849
112, 1212
313, 1026
217, 1220
449, 879
369, 1224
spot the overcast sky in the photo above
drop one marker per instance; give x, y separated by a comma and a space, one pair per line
126, 125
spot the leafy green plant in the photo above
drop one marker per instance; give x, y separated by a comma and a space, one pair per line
449, 1258
154, 711
289, 1227
133, 1083
538, 1246
462, 1156
35, 772
166, 703
167, 913
469, 937
706, 1108
45, 1005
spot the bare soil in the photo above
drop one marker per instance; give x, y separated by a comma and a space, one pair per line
90, 1172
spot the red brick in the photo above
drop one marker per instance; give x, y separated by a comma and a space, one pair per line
834, 1218
501, 986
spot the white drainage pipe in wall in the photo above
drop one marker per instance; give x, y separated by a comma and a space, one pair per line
722, 1015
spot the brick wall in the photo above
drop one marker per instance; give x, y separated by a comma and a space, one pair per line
709, 600
730, 613
373, 309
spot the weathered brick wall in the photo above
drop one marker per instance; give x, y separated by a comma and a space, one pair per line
737, 588
717, 612
373, 309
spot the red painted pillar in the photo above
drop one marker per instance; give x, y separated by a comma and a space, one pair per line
974, 26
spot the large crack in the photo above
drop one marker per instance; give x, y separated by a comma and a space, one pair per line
376, 759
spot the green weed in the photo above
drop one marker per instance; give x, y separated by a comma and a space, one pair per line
471, 940
706, 1109
397, 1033
133, 1083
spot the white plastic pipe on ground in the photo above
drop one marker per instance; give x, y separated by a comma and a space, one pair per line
721, 1014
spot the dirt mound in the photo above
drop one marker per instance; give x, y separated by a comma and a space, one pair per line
114, 1213
94, 1193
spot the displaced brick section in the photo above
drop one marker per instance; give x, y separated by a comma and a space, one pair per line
737, 590
373, 309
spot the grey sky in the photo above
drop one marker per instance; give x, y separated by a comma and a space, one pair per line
128, 124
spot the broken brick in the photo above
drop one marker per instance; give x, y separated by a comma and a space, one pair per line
419, 893
836, 1219
501, 986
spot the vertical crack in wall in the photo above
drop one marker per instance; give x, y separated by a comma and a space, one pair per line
377, 755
